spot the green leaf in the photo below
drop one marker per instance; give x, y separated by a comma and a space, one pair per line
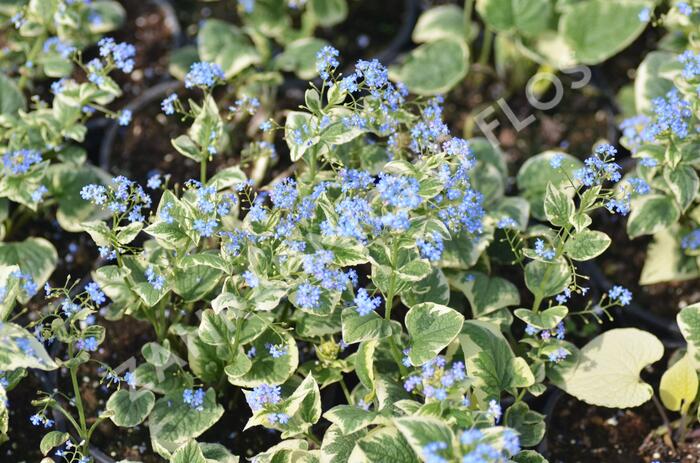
329, 12
688, 320
11, 98
439, 22
486, 294
558, 206
383, 445
651, 214
265, 368
546, 279
297, 120
544, 320
648, 82
215, 329
364, 363
536, 174
130, 407
599, 29
432, 327
679, 385
433, 67
529, 424
188, 453
607, 373
666, 260
224, 44
172, 422
52, 440
337, 446
20, 349
419, 431
586, 244
187, 147
433, 288
527, 17
683, 182
357, 328
350, 418
529, 456
491, 361
35, 256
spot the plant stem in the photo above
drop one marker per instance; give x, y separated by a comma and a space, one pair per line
81, 412
664, 418
203, 171
486, 47
346, 391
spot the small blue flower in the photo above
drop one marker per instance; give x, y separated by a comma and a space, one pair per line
203, 74
540, 250
644, 15
620, 295
326, 61
194, 398
556, 161
308, 296
365, 303
124, 117
95, 293
263, 395
168, 104
251, 279
691, 241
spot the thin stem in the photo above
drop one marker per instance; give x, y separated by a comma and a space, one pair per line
346, 391
79, 405
664, 417
486, 47
203, 171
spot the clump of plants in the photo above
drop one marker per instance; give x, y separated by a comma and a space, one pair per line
356, 283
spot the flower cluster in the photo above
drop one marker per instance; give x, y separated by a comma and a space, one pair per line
124, 198
203, 74
436, 380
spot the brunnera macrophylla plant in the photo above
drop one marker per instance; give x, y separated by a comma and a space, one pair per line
43, 164
663, 137
368, 270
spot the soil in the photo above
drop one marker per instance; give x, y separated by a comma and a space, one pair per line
580, 433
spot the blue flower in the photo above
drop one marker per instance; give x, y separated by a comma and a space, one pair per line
156, 281
203, 74
122, 54
251, 279
540, 250
38, 194
365, 303
124, 117
684, 8
263, 395
431, 452
168, 104
276, 351
691, 241
620, 295
556, 160
284, 194
431, 248
194, 398
55, 44
644, 15
205, 227
20, 161
470, 437
308, 296
326, 61
399, 191
95, 293
89, 344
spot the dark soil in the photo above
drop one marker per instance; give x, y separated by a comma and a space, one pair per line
581, 433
